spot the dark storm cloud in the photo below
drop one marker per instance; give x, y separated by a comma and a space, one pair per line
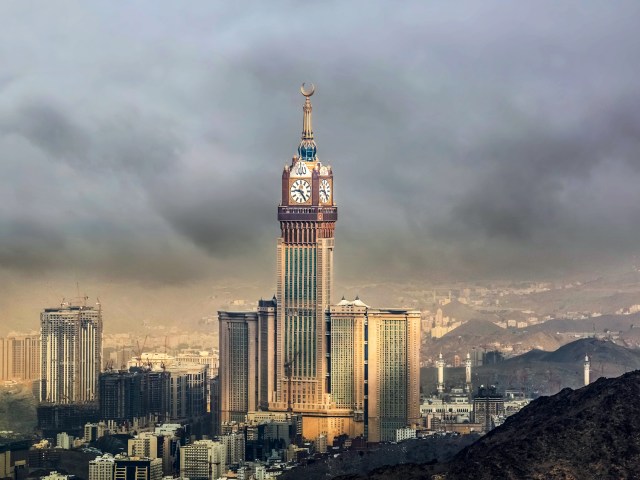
467, 139
50, 129
525, 189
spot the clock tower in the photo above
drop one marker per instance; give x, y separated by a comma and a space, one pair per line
307, 214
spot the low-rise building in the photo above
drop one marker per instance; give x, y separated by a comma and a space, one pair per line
203, 460
101, 468
405, 434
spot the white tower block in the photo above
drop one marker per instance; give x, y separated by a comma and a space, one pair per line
587, 365
440, 366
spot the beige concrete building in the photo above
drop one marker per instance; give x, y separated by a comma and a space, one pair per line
20, 357
376, 368
144, 444
203, 460
101, 468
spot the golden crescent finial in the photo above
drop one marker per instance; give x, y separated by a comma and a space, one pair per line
307, 93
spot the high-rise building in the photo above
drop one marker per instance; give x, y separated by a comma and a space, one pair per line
121, 395
189, 391
20, 357
267, 372
393, 337
235, 447
375, 368
238, 374
297, 354
247, 352
214, 392
71, 353
307, 216
156, 394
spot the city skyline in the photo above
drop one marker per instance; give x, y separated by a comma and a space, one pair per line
160, 143
345, 368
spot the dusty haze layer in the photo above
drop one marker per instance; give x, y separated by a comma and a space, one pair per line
142, 144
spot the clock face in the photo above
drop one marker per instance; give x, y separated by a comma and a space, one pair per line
300, 191
325, 191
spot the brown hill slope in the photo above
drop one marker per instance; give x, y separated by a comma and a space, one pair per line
589, 433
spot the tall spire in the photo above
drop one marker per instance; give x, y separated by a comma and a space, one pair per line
307, 148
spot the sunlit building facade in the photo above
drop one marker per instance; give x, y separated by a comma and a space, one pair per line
307, 216
238, 374
375, 367
70, 353
299, 354
20, 357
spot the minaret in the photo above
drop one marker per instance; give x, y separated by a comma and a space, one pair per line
307, 216
440, 366
467, 368
587, 365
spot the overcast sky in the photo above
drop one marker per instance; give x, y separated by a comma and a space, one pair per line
145, 140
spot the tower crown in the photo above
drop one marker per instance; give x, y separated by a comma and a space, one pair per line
307, 148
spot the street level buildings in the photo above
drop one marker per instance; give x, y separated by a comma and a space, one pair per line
137, 468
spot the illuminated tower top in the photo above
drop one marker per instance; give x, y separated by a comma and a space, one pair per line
307, 148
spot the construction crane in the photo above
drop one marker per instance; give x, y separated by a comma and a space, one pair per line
123, 366
139, 350
288, 372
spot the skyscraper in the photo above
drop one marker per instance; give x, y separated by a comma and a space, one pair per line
189, 391
121, 396
71, 353
238, 374
393, 374
20, 357
375, 368
307, 216
296, 353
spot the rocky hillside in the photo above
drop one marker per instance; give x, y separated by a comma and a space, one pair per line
584, 434
589, 433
